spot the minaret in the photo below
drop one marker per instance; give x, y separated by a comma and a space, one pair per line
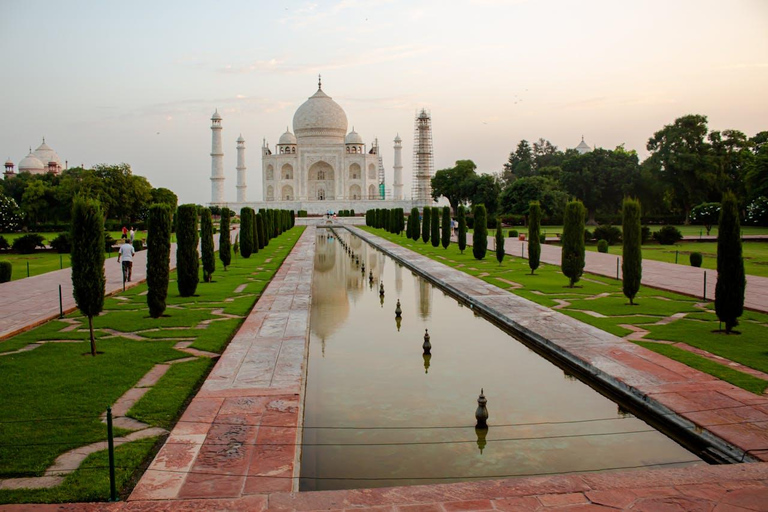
241, 198
217, 161
398, 184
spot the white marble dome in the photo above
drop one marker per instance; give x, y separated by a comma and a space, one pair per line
287, 138
320, 116
46, 154
31, 163
353, 137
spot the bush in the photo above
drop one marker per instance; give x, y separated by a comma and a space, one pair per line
158, 257
645, 235
696, 259
426, 228
261, 230
572, 259
542, 237
246, 229
588, 236
632, 262
302, 213
225, 242
27, 244
462, 236
138, 245
4, 245
602, 245
499, 242
480, 235
446, 227
6, 269
435, 225
236, 244
611, 234
706, 214
757, 212
731, 281
414, 225
513, 233
206, 245
10, 214
668, 235
534, 235
62, 243
187, 261
108, 242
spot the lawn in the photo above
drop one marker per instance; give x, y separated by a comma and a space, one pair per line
685, 230
604, 299
54, 395
39, 262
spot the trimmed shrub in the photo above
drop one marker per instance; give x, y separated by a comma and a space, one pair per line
480, 234
499, 242
542, 237
696, 259
88, 260
446, 227
573, 242
206, 245
611, 234
668, 235
26, 244
293, 218
513, 233
415, 225
6, 271
158, 257
62, 244
225, 242
262, 232
588, 235
302, 213
426, 227
632, 262
187, 261
462, 237
246, 229
236, 244
645, 234
731, 281
534, 235
255, 235
435, 226
108, 242
602, 245
4, 245
138, 245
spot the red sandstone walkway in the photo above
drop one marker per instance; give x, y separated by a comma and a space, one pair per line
657, 274
240, 434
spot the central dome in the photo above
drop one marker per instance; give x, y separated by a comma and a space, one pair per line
320, 117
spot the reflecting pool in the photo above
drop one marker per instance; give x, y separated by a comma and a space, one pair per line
378, 412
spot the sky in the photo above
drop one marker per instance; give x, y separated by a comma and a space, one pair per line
137, 82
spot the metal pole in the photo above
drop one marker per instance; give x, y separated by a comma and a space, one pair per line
61, 307
676, 254
705, 285
27, 269
111, 448
61, 261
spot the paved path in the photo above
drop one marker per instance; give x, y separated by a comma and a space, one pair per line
240, 434
657, 274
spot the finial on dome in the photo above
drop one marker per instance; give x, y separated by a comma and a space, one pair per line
319, 81
43, 139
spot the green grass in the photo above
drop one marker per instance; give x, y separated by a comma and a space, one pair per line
53, 396
39, 263
685, 230
737, 378
604, 296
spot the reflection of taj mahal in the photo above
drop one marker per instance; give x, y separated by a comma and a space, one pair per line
318, 167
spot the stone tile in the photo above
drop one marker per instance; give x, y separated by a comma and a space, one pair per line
561, 500
458, 506
521, 504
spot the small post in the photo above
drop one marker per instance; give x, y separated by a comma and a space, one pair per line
61, 306
61, 261
111, 449
705, 285
27, 269
676, 254
481, 413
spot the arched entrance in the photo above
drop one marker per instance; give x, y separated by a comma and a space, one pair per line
355, 193
287, 193
321, 181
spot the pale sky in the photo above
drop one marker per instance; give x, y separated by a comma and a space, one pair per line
137, 82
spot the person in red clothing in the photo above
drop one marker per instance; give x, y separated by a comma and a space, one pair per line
125, 233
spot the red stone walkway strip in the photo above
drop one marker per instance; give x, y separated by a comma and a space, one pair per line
241, 433
730, 420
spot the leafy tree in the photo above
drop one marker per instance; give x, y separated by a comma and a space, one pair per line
414, 220
499, 242
486, 191
225, 242
10, 214
206, 245
36, 201
457, 184
534, 243
480, 235
425, 224
517, 197
164, 195
446, 225
435, 226
757, 211
158, 257
757, 171
572, 259
707, 214
731, 282
545, 154
187, 262
520, 163
88, 260
462, 236
632, 263
246, 230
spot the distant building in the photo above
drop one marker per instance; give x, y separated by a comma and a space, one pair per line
583, 147
40, 161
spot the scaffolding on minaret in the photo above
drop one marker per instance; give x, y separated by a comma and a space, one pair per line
423, 158
382, 176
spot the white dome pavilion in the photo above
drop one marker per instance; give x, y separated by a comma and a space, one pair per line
320, 117
31, 164
46, 154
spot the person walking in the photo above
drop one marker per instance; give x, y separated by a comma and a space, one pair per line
126, 253
125, 233
132, 234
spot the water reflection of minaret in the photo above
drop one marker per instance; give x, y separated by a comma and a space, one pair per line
425, 297
399, 279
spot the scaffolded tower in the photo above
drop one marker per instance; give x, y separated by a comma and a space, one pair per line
423, 158
382, 176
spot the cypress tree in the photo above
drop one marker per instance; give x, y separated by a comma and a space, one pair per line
246, 232
225, 242
435, 226
462, 238
158, 257
446, 232
260, 229
632, 235
426, 228
394, 222
415, 234
480, 235
293, 218
206, 245
572, 259
731, 283
87, 257
401, 216
265, 224
534, 241
385, 219
499, 242
255, 237
187, 262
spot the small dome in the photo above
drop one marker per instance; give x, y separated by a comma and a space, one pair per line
287, 137
45, 154
397, 138
216, 116
320, 116
8, 162
353, 137
31, 163
240, 138
583, 147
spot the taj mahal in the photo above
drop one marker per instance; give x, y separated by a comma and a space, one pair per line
320, 166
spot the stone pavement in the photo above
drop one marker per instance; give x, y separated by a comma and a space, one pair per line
241, 433
657, 274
